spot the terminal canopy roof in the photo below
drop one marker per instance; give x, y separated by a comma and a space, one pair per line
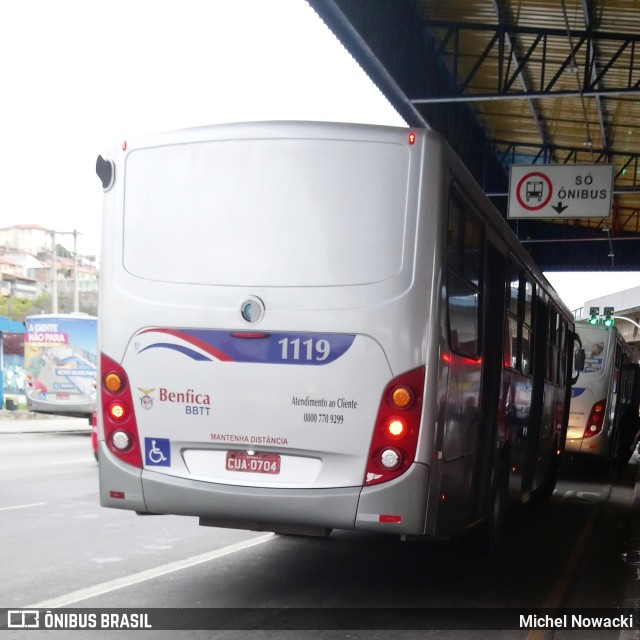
517, 82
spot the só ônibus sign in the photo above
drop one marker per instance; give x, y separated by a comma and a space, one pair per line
560, 191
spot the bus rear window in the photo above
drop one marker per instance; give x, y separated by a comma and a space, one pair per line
594, 353
282, 212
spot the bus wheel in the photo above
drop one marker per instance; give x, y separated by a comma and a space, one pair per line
496, 509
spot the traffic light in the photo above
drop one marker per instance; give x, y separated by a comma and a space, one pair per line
608, 317
593, 315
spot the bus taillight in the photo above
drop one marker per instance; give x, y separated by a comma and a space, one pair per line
395, 436
596, 419
112, 382
119, 421
118, 411
402, 397
396, 428
121, 440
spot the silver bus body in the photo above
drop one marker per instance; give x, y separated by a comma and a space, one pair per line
320, 326
604, 402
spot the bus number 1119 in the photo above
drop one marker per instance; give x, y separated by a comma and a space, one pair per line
309, 350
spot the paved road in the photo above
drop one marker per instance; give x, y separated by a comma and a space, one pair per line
16, 422
61, 549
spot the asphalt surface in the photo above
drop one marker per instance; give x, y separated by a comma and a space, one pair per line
22, 422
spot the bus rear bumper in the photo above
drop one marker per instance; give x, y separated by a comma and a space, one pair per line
595, 446
398, 506
120, 483
256, 508
71, 409
392, 507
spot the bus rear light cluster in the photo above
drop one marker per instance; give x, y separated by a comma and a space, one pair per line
395, 436
596, 419
120, 427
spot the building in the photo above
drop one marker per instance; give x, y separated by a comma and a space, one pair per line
27, 238
26, 264
16, 274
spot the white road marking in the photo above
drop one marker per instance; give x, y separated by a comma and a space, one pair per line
23, 506
45, 464
149, 574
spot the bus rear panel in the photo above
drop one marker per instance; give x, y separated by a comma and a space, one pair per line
604, 401
277, 350
60, 359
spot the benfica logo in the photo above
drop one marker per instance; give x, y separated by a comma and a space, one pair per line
146, 401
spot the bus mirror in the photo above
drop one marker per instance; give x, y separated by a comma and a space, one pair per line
579, 360
106, 172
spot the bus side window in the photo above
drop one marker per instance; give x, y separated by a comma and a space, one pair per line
463, 316
552, 350
511, 343
527, 327
562, 351
463, 278
511, 340
617, 366
519, 321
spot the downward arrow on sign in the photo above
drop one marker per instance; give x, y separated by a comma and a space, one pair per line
559, 207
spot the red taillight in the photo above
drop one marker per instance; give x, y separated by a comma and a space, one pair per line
120, 427
118, 411
396, 428
596, 419
395, 436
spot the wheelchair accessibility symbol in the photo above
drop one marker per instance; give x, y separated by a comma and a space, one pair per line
157, 452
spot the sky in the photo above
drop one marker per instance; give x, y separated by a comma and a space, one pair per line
79, 76
577, 288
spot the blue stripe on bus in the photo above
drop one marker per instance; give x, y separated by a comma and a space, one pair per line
315, 349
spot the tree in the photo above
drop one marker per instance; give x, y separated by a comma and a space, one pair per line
62, 252
19, 308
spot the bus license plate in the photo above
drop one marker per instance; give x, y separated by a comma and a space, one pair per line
256, 463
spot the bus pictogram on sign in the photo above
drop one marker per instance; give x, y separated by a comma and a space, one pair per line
534, 191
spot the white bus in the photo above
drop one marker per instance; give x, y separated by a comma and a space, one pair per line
60, 361
604, 404
308, 326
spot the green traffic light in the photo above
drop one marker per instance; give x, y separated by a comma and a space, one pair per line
593, 320
608, 322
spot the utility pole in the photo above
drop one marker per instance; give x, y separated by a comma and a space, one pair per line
76, 293
54, 275
54, 286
